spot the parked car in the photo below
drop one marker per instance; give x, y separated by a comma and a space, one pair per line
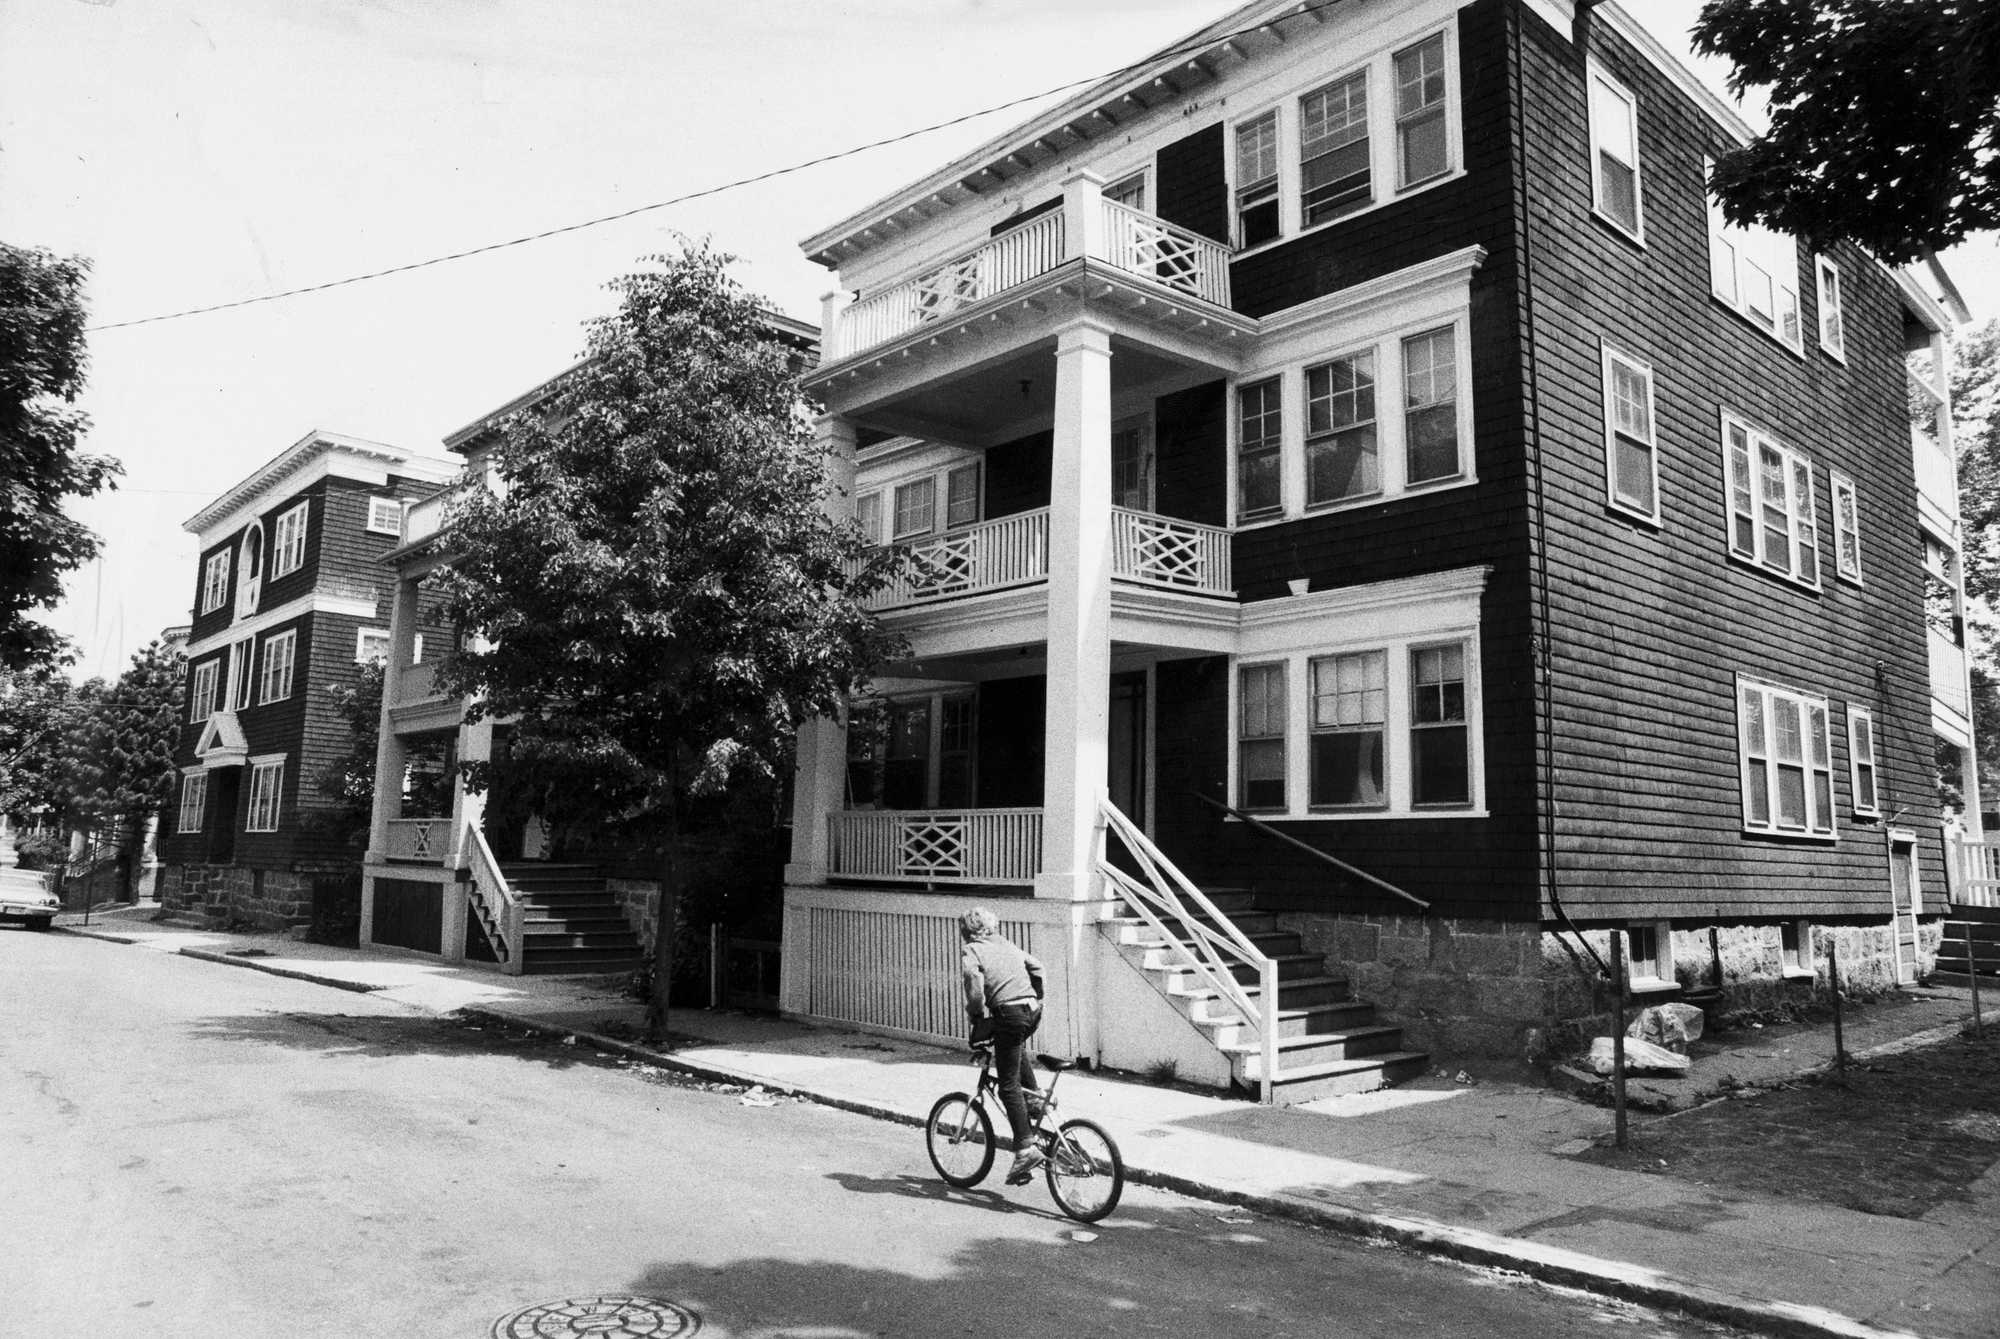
25, 898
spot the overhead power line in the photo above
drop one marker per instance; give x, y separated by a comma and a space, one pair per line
1306, 7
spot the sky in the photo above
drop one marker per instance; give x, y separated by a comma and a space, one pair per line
205, 151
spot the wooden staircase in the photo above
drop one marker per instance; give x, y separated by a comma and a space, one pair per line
1957, 959
1329, 1043
571, 922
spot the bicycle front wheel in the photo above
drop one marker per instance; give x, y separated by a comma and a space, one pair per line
959, 1138
1085, 1173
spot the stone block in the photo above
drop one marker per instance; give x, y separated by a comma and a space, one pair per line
1511, 999
1489, 955
1404, 950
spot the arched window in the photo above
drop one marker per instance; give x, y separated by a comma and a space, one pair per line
250, 570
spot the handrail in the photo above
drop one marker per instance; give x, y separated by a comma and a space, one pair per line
1207, 946
501, 922
1333, 860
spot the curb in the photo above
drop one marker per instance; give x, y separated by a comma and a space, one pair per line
272, 969
1548, 1264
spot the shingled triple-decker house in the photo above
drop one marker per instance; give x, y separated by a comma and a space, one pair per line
289, 603
1376, 532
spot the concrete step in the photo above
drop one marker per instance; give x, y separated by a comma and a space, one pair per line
606, 921
1338, 1078
1291, 967
1229, 1028
579, 962
1301, 992
1315, 1048
541, 938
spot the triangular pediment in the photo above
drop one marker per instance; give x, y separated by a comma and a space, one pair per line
222, 743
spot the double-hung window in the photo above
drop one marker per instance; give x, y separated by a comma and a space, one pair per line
1861, 761
288, 554
1614, 153
385, 516
1423, 138
1260, 422
961, 496
1787, 761
1430, 407
1832, 328
1441, 771
1350, 713
1631, 448
241, 658
1257, 218
267, 782
215, 581
1755, 272
201, 690
916, 508
371, 646
868, 515
1129, 191
1341, 458
279, 651
1334, 168
194, 801
1771, 517
1261, 713
1846, 527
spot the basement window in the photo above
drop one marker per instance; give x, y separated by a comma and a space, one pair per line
1649, 956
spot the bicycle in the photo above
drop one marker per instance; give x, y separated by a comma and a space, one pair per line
1085, 1173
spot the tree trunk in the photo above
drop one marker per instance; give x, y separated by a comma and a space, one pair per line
665, 922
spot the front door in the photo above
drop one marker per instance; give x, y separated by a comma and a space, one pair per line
1127, 752
1905, 901
225, 790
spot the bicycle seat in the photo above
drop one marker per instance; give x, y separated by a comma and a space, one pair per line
1057, 1066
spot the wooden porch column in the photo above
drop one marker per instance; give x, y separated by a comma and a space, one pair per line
821, 753
390, 752
1079, 620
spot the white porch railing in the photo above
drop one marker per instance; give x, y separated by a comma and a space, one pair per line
1165, 552
1948, 672
427, 840
1138, 243
1192, 927
492, 901
1129, 240
936, 845
992, 555
1978, 873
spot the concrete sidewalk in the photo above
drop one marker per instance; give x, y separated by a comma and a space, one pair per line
1482, 1172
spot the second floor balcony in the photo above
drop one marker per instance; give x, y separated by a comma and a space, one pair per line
1013, 551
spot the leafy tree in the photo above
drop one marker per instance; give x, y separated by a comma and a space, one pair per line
1975, 413
658, 595
1885, 119
349, 779
41, 373
38, 708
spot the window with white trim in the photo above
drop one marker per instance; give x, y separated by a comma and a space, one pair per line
215, 581
1771, 517
279, 651
1787, 761
1132, 464
201, 690
288, 554
194, 801
1846, 526
868, 515
1423, 134
1257, 219
1631, 450
1364, 731
1335, 148
1261, 726
961, 496
1649, 955
1755, 272
267, 782
1614, 153
1260, 424
1329, 434
1350, 713
916, 508
371, 646
1128, 191
385, 515
1795, 948
250, 570
240, 661
926, 501
1862, 771
1832, 326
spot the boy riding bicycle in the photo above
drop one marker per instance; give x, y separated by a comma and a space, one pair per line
1003, 998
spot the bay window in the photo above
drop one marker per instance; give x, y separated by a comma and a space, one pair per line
1341, 460
1261, 727
1430, 407
1260, 420
1440, 768
1350, 697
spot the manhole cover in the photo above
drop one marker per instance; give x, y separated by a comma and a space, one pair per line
600, 1318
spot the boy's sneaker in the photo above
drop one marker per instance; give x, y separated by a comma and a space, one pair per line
1025, 1164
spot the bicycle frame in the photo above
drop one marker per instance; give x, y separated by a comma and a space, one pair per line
987, 1090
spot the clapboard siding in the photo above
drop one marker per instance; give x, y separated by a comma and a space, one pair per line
1650, 625
1192, 183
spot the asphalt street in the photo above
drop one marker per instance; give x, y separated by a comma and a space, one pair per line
186, 1149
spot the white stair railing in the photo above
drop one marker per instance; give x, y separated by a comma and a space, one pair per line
1978, 871
1195, 929
499, 910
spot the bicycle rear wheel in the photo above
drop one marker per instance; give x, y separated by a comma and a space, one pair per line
1085, 1173
959, 1138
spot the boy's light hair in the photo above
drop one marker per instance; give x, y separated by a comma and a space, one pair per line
978, 923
